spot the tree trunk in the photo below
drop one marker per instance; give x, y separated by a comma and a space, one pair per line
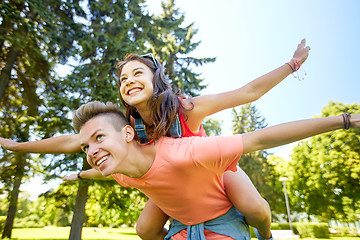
79, 208
6, 71
9, 222
79, 211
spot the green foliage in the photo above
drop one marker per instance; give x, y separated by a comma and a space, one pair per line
38, 35
58, 204
345, 231
317, 230
324, 172
260, 171
2, 222
31, 221
172, 42
212, 127
34, 35
3, 205
110, 204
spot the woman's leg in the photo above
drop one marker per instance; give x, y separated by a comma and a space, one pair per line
247, 200
150, 224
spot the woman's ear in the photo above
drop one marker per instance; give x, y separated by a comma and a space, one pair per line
129, 133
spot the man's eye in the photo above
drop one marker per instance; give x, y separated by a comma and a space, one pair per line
99, 137
85, 149
123, 79
138, 73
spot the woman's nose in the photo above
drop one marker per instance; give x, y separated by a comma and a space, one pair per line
129, 81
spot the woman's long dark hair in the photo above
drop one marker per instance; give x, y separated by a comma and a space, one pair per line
164, 103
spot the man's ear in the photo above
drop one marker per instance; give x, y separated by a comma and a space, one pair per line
129, 133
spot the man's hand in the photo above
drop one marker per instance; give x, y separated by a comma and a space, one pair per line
72, 177
8, 144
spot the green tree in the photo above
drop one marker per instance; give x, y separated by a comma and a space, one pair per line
278, 166
110, 32
113, 205
324, 171
255, 164
172, 43
114, 30
212, 126
35, 34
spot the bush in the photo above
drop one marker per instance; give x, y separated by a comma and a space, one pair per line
31, 221
2, 222
345, 232
316, 230
284, 226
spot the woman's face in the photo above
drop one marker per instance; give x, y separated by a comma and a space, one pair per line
136, 83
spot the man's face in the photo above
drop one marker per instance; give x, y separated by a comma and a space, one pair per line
105, 147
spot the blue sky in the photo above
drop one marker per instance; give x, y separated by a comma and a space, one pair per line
251, 38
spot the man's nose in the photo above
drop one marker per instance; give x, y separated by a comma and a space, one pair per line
93, 151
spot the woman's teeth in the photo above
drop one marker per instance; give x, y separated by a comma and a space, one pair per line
132, 91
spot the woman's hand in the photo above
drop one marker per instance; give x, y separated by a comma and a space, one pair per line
302, 52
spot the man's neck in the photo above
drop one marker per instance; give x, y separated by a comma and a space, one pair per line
141, 158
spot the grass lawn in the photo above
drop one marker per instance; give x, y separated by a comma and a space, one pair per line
62, 233
50, 233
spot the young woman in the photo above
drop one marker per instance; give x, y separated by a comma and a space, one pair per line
155, 111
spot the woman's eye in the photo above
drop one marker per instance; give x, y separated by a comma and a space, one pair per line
99, 137
138, 73
123, 79
85, 149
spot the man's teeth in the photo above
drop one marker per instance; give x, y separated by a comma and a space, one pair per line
98, 163
132, 91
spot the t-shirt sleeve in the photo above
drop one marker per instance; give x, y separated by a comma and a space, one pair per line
218, 153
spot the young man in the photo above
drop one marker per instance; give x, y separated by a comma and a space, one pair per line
183, 176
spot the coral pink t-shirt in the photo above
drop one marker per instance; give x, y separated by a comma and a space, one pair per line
185, 180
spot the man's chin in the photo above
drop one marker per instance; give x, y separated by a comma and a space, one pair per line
106, 174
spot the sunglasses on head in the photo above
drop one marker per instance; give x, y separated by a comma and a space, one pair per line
150, 55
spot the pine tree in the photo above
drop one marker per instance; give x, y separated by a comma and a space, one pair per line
34, 35
246, 120
172, 43
255, 164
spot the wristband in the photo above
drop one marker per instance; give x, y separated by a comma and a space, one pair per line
296, 66
297, 63
78, 176
346, 118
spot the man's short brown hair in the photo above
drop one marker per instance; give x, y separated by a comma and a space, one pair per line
96, 108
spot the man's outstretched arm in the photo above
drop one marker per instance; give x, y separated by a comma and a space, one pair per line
293, 131
67, 144
87, 174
